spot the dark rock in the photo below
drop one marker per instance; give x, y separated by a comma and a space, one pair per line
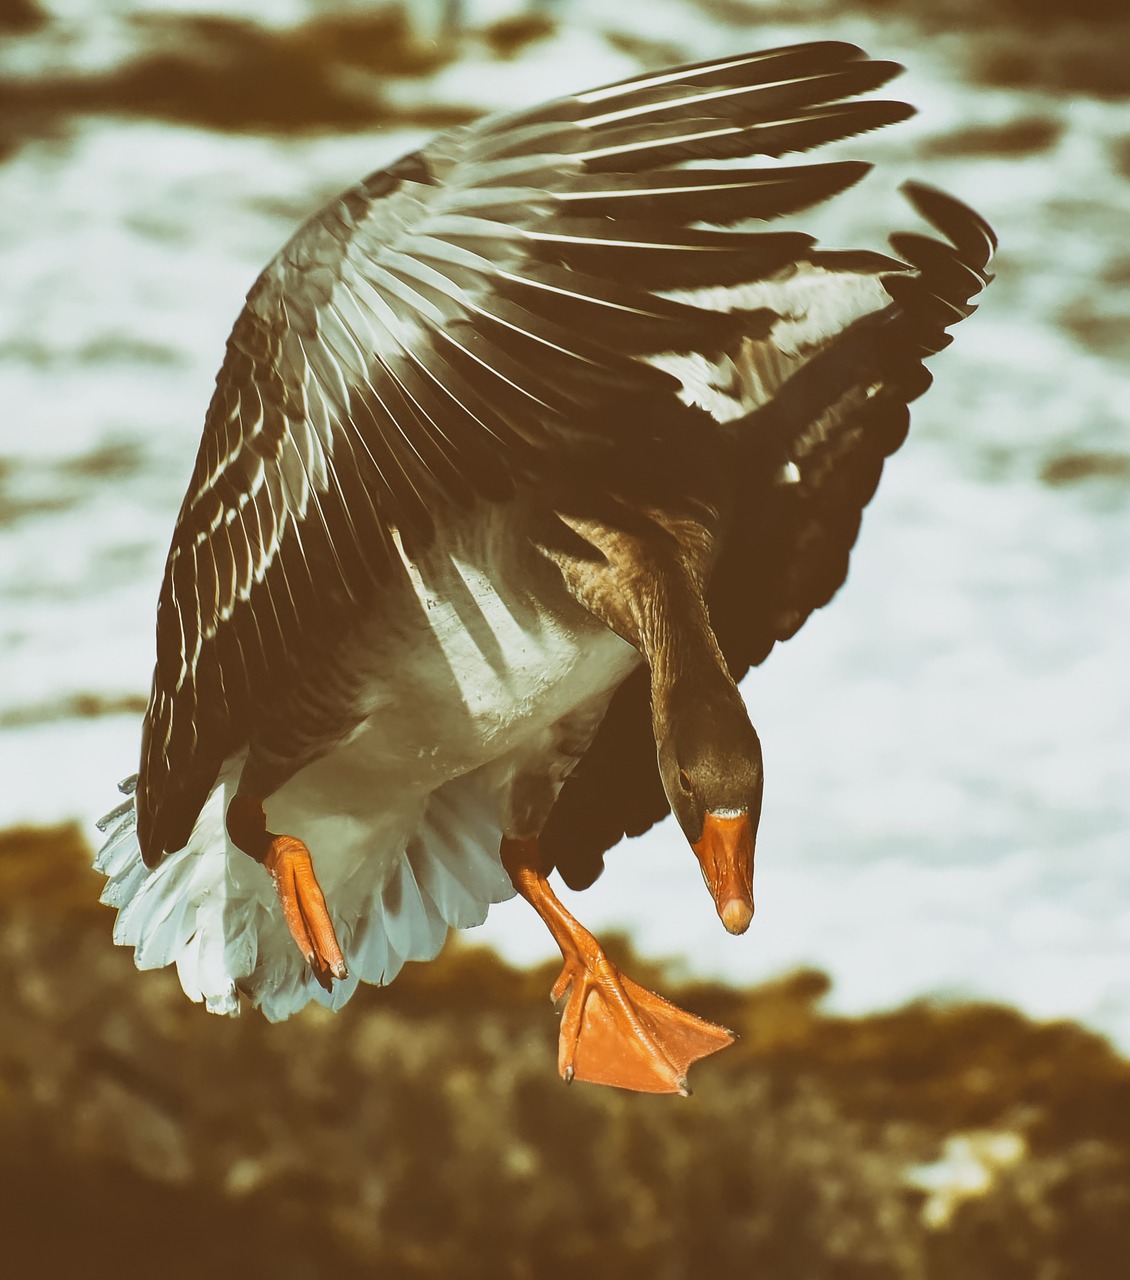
1025, 136
1070, 468
19, 16
1075, 58
1100, 321
79, 706
232, 74
510, 36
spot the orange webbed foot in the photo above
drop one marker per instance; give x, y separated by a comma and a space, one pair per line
615, 1032
304, 908
300, 895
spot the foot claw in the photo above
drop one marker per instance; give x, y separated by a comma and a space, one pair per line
568, 1074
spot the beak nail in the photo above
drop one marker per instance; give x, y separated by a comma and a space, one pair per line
736, 915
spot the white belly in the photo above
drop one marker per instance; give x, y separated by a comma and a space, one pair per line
475, 661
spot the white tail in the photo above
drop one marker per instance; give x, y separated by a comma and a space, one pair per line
212, 911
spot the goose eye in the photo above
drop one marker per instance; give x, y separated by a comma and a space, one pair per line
684, 780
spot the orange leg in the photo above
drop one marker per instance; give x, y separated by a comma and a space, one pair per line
292, 872
613, 1031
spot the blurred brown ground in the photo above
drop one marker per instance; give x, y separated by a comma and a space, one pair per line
423, 1131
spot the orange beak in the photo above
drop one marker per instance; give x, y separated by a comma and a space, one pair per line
725, 853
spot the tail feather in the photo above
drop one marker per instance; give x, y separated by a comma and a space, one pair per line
368, 952
458, 904
463, 868
116, 856
165, 932
281, 988
120, 890
211, 911
413, 924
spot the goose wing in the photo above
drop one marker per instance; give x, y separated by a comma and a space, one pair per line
855, 329
477, 315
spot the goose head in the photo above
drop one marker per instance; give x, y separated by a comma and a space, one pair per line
710, 764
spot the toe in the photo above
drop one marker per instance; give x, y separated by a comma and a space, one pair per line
292, 913
563, 983
305, 910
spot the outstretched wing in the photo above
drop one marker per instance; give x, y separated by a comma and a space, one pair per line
477, 314
855, 329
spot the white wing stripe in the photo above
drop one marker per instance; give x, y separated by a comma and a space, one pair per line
671, 77
693, 101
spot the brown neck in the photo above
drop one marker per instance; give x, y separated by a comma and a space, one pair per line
691, 685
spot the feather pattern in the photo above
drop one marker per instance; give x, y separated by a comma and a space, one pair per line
552, 311
475, 316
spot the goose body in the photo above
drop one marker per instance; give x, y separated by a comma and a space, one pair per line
481, 668
524, 450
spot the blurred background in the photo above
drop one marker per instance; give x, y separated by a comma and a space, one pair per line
947, 748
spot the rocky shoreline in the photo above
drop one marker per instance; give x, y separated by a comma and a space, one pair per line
423, 1132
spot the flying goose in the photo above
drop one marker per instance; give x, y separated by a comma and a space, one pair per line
523, 451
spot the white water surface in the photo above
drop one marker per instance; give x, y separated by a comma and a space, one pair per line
947, 747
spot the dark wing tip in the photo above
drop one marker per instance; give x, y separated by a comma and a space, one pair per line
886, 68
964, 227
886, 111
842, 174
949, 273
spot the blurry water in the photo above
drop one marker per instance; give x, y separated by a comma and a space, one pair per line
947, 801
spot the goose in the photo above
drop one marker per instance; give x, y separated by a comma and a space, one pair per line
523, 451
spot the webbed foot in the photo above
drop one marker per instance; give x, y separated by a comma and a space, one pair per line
300, 895
615, 1032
